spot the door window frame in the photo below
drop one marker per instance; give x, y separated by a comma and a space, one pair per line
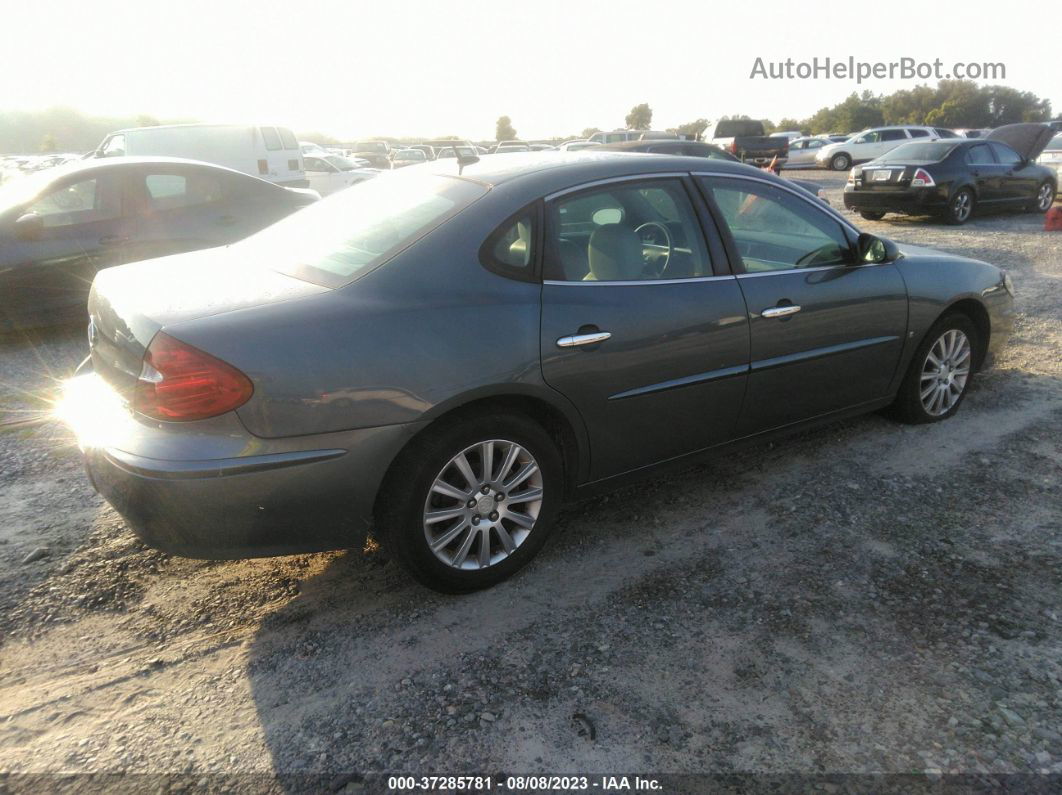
713, 245
532, 272
734, 257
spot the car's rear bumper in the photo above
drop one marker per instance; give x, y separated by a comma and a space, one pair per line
218, 492
912, 201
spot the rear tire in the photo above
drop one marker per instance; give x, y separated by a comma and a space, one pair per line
960, 208
872, 215
931, 393
476, 545
841, 162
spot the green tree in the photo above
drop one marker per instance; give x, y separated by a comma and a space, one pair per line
790, 124
590, 131
691, 129
504, 130
49, 143
640, 117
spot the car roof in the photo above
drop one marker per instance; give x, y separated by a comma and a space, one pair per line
546, 172
129, 161
635, 146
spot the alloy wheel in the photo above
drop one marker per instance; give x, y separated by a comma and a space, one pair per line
483, 504
945, 372
961, 206
1045, 197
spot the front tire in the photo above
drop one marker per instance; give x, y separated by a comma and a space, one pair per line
872, 215
960, 208
472, 502
940, 371
840, 162
1045, 197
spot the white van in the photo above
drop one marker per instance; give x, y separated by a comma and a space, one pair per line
270, 153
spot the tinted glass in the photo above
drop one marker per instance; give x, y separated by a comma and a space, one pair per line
174, 191
333, 242
640, 231
84, 202
1005, 155
738, 128
1055, 143
919, 134
929, 152
944, 133
272, 140
775, 230
893, 135
979, 155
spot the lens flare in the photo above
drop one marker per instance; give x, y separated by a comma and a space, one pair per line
92, 410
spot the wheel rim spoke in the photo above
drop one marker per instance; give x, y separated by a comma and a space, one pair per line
945, 372
477, 528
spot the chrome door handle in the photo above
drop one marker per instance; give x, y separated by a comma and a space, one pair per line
576, 340
780, 311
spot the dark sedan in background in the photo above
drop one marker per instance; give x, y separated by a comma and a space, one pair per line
60, 227
447, 353
955, 177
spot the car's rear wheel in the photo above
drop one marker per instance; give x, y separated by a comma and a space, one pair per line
840, 162
472, 502
940, 372
1045, 197
961, 207
872, 215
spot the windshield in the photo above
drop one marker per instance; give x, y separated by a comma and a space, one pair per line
21, 190
370, 146
342, 163
919, 152
1055, 143
448, 151
335, 241
410, 154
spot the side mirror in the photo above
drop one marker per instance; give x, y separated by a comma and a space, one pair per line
29, 226
875, 250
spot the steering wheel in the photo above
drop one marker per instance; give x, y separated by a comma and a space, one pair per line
667, 237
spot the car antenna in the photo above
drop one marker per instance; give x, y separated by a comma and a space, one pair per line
464, 160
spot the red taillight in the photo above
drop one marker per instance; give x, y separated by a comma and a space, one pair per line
922, 179
179, 383
733, 147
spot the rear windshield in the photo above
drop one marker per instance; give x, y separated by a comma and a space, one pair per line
738, 128
370, 146
919, 152
1056, 143
335, 241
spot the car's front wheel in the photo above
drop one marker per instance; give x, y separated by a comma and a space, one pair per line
840, 162
472, 502
1045, 197
940, 372
872, 215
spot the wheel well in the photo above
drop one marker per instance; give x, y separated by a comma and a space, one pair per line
551, 419
979, 317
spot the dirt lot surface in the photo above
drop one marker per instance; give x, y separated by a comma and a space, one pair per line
865, 598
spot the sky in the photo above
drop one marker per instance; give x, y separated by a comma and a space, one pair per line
354, 69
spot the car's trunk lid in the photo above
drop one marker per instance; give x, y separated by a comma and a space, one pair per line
1028, 140
129, 304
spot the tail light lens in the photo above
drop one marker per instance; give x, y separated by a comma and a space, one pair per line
922, 179
733, 147
179, 383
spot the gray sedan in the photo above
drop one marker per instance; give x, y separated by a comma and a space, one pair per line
448, 353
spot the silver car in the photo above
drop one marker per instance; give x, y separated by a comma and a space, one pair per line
802, 152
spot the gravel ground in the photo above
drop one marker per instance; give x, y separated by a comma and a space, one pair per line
869, 597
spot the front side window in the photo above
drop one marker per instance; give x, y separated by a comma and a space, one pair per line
115, 146
86, 201
775, 230
316, 164
1005, 154
272, 140
640, 231
333, 242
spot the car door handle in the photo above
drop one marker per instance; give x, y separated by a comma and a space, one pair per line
780, 311
113, 240
575, 340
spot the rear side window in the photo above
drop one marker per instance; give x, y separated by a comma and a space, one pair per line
919, 133
510, 251
893, 135
979, 155
174, 191
1005, 154
271, 138
287, 138
333, 242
